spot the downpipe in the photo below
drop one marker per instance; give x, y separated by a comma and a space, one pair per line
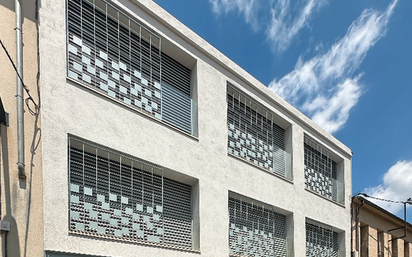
19, 92
358, 227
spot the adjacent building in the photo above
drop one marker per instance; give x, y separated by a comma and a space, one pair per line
377, 232
150, 142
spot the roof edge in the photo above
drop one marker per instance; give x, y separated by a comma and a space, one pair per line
384, 211
177, 27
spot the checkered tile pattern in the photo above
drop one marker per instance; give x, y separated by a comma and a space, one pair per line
117, 56
320, 172
113, 77
255, 230
321, 242
120, 201
254, 137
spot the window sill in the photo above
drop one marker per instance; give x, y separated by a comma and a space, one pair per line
96, 91
114, 239
317, 194
260, 168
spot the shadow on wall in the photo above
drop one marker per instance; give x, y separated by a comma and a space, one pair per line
27, 13
33, 147
387, 249
9, 239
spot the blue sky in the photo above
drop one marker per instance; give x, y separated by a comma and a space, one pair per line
345, 64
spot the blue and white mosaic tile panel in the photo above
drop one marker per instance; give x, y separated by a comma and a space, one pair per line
254, 137
120, 198
255, 230
321, 242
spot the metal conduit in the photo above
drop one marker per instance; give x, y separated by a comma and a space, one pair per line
19, 91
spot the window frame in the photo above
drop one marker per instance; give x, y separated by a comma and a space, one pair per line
251, 156
166, 175
337, 181
122, 92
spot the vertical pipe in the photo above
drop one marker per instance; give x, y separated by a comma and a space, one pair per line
358, 227
19, 91
404, 215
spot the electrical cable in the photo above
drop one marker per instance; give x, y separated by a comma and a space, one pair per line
409, 201
29, 98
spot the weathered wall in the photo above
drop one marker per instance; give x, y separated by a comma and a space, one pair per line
21, 200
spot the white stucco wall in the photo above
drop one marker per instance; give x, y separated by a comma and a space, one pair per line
69, 108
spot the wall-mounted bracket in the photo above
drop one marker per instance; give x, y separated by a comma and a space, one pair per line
4, 225
409, 201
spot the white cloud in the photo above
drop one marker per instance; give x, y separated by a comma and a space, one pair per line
249, 8
396, 186
334, 112
282, 28
325, 87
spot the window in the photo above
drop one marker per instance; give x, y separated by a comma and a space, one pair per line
321, 240
321, 172
254, 136
255, 229
117, 56
123, 198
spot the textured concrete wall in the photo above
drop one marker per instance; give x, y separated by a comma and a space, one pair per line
387, 245
21, 199
364, 242
408, 249
373, 241
398, 248
114, 125
369, 242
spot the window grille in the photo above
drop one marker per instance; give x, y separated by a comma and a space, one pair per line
123, 198
255, 229
117, 56
254, 136
321, 241
321, 171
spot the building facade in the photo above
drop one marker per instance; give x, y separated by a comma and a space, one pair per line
150, 142
377, 232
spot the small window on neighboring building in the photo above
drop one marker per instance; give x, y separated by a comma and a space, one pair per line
253, 134
321, 172
255, 229
119, 197
118, 57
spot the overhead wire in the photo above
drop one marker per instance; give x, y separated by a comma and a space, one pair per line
408, 201
29, 97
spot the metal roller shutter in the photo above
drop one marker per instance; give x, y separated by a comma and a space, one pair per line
255, 230
320, 170
121, 58
253, 135
321, 241
123, 198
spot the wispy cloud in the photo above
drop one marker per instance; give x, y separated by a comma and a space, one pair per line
281, 26
396, 185
326, 87
249, 8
